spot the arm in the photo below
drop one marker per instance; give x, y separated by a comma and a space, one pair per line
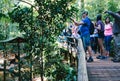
77, 23
113, 14
98, 27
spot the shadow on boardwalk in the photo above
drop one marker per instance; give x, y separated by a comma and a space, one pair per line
103, 70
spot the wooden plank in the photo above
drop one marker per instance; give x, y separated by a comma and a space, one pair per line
103, 70
82, 69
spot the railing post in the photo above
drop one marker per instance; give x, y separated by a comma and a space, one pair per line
19, 63
5, 53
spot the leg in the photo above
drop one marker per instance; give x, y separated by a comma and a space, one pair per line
90, 54
102, 50
96, 45
90, 51
117, 48
109, 44
100, 41
88, 45
107, 41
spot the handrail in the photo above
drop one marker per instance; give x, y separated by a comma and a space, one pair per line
82, 69
71, 38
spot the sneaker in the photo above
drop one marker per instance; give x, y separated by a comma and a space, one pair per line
115, 60
90, 59
103, 57
99, 56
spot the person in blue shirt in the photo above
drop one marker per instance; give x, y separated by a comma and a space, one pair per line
84, 25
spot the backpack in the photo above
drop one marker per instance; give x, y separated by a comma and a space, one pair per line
91, 28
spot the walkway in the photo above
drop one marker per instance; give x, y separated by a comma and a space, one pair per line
99, 70
103, 70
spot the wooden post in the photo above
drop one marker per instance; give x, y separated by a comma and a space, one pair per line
19, 65
5, 53
82, 70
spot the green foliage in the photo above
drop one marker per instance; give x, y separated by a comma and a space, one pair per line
100, 6
6, 6
2, 15
41, 29
112, 51
5, 22
112, 5
20, 15
56, 69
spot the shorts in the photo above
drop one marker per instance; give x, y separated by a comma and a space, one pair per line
101, 35
86, 41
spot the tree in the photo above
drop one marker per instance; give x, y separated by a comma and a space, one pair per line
99, 7
6, 25
112, 5
41, 32
42, 23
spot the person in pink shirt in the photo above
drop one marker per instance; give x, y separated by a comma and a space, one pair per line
108, 35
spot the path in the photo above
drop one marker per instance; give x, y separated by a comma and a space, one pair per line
103, 70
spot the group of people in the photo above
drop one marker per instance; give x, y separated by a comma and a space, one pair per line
104, 31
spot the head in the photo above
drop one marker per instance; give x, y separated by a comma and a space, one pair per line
107, 20
99, 17
84, 14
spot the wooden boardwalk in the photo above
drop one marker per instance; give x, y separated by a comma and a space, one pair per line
103, 70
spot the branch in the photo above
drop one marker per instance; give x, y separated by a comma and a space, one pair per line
29, 4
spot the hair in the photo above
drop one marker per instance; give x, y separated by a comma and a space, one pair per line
99, 17
106, 19
85, 12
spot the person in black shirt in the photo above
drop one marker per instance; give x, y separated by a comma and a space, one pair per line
116, 33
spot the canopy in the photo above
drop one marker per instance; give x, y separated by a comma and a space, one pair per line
13, 40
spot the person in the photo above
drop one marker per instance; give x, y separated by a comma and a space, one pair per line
108, 35
84, 33
100, 27
75, 31
116, 34
94, 41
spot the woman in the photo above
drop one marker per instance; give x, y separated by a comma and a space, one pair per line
100, 27
108, 35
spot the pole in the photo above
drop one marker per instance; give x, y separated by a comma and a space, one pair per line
31, 67
31, 45
19, 67
41, 55
5, 53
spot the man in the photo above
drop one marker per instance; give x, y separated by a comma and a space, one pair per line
85, 34
116, 33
